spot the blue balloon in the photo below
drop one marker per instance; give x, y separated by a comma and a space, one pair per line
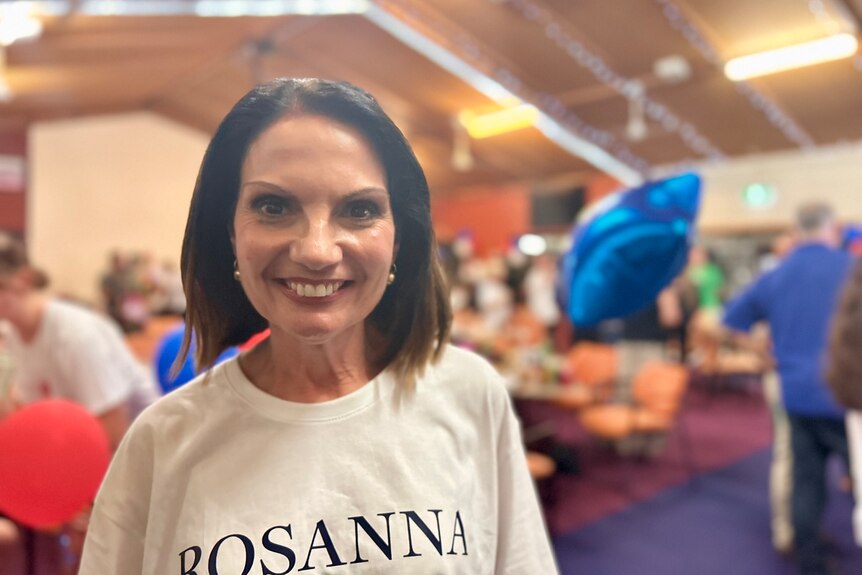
166, 353
627, 248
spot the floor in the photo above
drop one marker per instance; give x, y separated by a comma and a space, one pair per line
700, 511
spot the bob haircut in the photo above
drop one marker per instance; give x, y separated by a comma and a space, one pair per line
844, 373
413, 316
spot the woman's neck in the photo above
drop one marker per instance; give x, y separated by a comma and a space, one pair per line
304, 373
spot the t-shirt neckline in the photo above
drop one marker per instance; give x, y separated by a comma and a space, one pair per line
292, 411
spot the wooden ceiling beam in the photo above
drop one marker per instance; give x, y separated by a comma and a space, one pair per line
237, 51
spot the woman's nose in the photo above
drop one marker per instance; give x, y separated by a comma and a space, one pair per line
317, 245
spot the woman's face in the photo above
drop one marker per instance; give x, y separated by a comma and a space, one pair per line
314, 232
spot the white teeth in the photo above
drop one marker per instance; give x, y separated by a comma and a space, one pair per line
315, 290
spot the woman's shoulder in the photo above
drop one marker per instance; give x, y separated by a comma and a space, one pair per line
174, 412
466, 371
459, 361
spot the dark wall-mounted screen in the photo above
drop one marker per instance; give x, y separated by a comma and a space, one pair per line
556, 209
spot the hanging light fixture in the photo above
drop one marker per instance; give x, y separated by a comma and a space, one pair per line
5, 89
636, 127
790, 57
462, 155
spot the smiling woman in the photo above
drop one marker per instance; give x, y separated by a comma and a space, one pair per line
354, 439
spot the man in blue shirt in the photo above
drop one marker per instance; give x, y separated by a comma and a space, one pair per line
797, 300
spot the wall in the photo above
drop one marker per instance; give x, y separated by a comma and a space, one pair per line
13, 178
495, 214
97, 184
833, 174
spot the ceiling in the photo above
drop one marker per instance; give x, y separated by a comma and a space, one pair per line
576, 60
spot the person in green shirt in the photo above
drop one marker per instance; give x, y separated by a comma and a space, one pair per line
707, 277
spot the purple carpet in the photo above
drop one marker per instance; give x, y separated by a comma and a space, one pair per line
715, 525
701, 511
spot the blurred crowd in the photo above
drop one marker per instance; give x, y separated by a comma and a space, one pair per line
136, 286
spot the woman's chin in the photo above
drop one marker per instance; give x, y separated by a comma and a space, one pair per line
316, 333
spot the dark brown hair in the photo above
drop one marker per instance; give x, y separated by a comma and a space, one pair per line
13, 254
844, 374
413, 315
13, 257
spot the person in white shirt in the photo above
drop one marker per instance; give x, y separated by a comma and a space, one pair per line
61, 350
354, 439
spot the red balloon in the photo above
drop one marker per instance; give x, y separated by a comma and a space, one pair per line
53, 456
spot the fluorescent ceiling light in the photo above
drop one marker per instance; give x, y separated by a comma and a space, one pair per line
499, 122
806, 54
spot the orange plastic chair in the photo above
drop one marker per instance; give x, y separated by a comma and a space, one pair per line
592, 363
638, 427
657, 394
594, 366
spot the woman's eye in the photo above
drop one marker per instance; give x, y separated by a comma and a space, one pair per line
363, 210
270, 206
272, 209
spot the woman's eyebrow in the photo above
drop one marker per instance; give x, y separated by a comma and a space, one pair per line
267, 185
370, 190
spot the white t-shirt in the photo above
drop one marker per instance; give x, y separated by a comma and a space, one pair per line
81, 356
854, 438
221, 478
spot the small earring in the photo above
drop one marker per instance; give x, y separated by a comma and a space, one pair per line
236, 274
391, 279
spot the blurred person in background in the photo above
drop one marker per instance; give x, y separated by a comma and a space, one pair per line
781, 467
540, 291
167, 297
797, 300
494, 297
780, 246
645, 335
705, 274
61, 350
126, 286
845, 377
354, 439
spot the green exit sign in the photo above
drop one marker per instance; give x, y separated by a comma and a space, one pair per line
759, 195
